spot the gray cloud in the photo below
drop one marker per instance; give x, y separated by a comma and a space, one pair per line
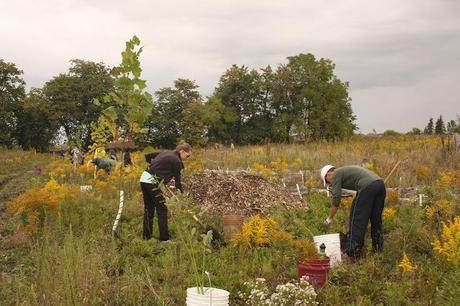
398, 56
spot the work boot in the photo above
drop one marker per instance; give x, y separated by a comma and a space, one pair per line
355, 251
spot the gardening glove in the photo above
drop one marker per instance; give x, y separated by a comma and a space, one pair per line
326, 224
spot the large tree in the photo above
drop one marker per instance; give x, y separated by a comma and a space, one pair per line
36, 124
429, 129
218, 119
310, 102
247, 94
440, 128
71, 94
177, 114
452, 126
12, 91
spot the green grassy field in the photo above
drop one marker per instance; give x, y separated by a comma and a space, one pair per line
56, 246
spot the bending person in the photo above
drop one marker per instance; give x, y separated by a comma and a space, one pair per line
367, 204
165, 166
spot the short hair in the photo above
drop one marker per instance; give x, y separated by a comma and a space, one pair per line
184, 146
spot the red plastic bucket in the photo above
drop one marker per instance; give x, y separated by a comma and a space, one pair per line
315, 269
326, 262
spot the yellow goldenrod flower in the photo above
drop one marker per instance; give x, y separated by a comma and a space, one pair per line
405, 264
442, 208
449, 244
422, 173
389, 213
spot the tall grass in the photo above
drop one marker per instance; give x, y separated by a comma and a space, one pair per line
72, 259
382, 154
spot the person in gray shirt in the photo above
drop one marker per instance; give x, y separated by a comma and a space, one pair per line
103, 163
367, 205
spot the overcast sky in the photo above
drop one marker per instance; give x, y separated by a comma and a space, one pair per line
401, 57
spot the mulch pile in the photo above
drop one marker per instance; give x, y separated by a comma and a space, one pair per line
238, 193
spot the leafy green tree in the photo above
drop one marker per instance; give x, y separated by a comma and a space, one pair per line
440, 128
71, 95
126, 108
218, 118
194, 131
12, 91
452, 127
429, 127
247, 94
415, 131
310, 101
178, 114
36, 127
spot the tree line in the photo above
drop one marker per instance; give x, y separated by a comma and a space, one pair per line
440, 128
301, 99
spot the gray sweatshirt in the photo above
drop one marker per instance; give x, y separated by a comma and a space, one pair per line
350, 177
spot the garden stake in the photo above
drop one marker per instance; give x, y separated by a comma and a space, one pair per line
391, 172
120, 209
298, 190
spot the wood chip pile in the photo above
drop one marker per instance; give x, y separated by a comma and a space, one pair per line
242, 193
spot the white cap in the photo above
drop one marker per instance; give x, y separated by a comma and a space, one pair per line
324, 171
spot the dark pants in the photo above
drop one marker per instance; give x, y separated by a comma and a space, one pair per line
154, 200
367, 205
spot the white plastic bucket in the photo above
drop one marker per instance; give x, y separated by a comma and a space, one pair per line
86, 188
211, 297
332, 243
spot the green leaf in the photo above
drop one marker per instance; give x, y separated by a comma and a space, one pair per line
111, 113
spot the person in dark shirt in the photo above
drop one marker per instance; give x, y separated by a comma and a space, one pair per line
127, 158
103, 163
163, 167
367, 205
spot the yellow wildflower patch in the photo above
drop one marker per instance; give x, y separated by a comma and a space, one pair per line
440, 208
406, 265
422, 173
280, 166
257, 151
389, 213
257, 231
392, 197
446, 181
261, 169
448, 244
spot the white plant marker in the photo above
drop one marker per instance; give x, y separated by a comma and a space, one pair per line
120, 209
298, 190
301, 173
420, 199
284, 184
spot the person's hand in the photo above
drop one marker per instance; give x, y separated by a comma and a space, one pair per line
326, 224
